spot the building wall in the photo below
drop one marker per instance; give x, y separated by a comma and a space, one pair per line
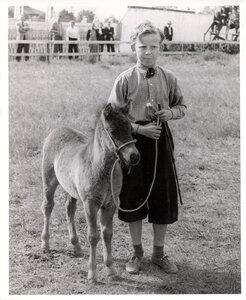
187, 27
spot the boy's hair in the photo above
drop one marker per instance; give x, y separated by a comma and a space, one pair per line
146, 28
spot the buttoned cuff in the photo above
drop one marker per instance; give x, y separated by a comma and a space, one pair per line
178, 112
134, 128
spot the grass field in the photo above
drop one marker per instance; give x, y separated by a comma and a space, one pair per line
205, 242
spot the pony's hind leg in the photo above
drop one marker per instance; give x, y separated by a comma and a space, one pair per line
71, 206
106, 220
91, 210
50, 184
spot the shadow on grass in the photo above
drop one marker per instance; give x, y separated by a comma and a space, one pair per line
189, 280
150, 280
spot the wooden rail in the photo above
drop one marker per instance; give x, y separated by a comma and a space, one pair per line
45, 48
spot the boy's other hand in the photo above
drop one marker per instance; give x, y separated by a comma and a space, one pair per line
150, 130
164, 115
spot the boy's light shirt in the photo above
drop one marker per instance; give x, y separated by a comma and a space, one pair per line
162, 88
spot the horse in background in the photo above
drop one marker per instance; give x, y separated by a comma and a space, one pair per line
82, 167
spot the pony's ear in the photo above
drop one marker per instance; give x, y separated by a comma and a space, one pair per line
107, 110
126, 108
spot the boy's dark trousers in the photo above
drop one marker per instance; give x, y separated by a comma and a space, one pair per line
162, 205
72, 47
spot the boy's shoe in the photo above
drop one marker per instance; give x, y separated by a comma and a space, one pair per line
165, 264
133, 265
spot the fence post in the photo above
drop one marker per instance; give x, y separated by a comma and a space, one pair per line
48, 49
98, 50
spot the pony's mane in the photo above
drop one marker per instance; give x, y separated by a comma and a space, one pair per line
96, 116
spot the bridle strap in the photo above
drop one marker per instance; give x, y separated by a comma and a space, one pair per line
118, 148
125, 144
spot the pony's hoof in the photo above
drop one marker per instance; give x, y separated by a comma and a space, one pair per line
77, 251
112, 277
111, 272
92, 278
45, 247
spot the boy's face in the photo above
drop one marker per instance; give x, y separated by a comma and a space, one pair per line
147, 49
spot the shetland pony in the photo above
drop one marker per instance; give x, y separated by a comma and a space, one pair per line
82, 167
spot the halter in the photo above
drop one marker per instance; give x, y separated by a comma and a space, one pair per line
118, 148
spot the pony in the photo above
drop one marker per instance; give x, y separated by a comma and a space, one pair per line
82, 166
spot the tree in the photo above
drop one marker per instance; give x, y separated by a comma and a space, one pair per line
89, 14
209, 9
66, 16
11, 12
111, 19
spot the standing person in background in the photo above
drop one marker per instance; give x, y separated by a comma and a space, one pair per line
92, 35
72, 34
56, 33
22, 28
233, 22
168, 31
217, 22
109, 32
224, 15
101, 35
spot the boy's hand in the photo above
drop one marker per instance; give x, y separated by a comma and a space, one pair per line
164, 115
150, 130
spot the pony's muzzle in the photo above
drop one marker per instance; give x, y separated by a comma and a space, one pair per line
134, 159
129, 156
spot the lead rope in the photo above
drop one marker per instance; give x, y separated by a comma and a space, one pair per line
173, 162
116, 201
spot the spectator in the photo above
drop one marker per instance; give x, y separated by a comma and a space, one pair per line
56, 33
227, 11
109, 33
168, 31
92, 35
217, 23
72, 34
224, 16
233, 21
22, 28
101, 35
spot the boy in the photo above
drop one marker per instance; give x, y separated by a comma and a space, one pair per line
148, 85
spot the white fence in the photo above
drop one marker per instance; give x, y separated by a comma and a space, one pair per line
44, 49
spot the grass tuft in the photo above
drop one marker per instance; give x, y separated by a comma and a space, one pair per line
213, 55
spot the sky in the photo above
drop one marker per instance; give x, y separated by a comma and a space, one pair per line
105, 8
100, 12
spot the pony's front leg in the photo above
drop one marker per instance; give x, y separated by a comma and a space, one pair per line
91, 210
107, 214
